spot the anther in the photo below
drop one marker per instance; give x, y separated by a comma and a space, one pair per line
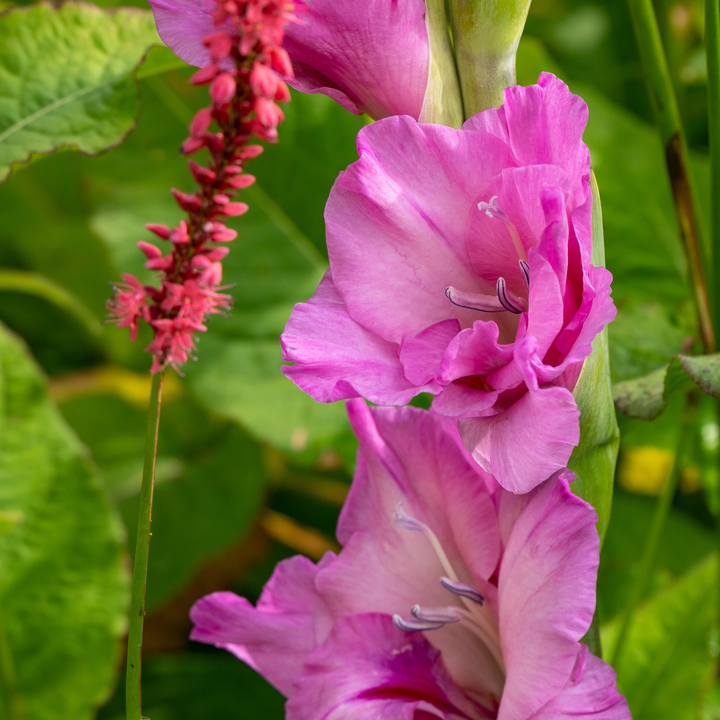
443, 615
511, 302
525, 270
493, 210
462, 589
407, 521
413, 625
473, 301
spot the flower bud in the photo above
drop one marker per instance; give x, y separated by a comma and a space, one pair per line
201, 122
281, 62
190, 203
162, 231
223, 89
240, 182
233, 209
151, 251
205, 75
263, 80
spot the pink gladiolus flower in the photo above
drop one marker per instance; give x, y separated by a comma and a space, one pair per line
460, 266
446, 600
371, 56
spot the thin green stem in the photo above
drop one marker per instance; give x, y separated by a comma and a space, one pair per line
661, 512
10, 701
133, 699
669, 123
712, 49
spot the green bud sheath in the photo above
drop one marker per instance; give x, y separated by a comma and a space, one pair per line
486, 34
593, 460
442, 103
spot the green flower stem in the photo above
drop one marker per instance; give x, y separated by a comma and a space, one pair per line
667, 114
661, 513
133, 700
486, 34
712, 49
11, 703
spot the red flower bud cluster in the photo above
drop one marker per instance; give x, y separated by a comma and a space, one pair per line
246, 62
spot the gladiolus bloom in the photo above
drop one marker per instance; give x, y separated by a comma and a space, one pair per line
446, 600
460, 266
371, 57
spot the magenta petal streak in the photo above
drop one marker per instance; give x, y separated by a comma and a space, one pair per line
501, 587
460, 266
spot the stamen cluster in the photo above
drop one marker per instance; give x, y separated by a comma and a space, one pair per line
246, 61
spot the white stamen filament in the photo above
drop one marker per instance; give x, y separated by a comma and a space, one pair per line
493, 210
411, 523
473, 616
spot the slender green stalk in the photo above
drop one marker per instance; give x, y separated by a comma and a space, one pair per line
10, 701
486, 34
133, 700
667, 114
712, 49
661, 513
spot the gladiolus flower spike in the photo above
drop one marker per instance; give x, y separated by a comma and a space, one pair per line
244, 87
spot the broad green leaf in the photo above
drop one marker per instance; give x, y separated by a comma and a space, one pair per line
642, 339
66, 78
201, 686
242, 380
645, 397
593, 460
63, 592
683, 543
34, 284
666, 664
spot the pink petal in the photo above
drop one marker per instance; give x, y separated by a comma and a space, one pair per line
546, 593
533, 438
421, 355
290, 620
369, 670
396, 224
372, 56
183, 25
337, 358
590, 694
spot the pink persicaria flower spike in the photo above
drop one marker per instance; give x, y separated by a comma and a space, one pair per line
371, 57
460, 266
241, 46
446, 601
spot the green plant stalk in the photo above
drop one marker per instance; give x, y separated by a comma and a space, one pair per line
133, 696
669, 123
10, 701
486, 34
712, 49
661, 512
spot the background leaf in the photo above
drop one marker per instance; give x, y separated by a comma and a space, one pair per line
666, 666
65, 78
63, 593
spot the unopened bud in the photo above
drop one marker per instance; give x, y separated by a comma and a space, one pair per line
223, 89
281, 62
240, 182
189, 203
205, 75
151, 251
233, 209
162, 231
201, 122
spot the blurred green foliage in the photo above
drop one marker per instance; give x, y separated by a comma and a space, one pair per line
251, 470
